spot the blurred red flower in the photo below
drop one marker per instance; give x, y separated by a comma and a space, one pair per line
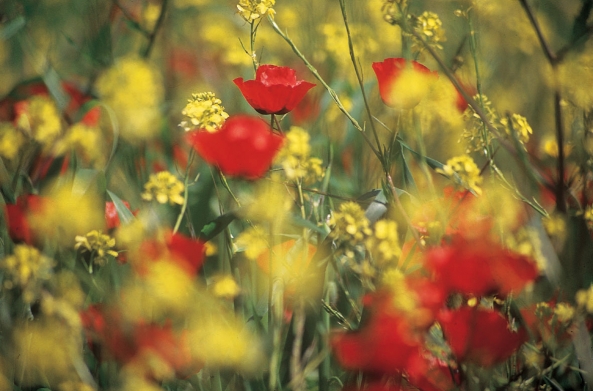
480, 336
392, 74
479, 267
244, 146
111, 217
187, 253
275, 89
19, 229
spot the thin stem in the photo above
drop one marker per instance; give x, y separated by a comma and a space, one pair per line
252, 35
131, 19
398, 202
157, 27
560, 195
360, 81
552, 58
330, 90
185, 192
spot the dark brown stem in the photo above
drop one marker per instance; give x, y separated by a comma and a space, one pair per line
552, 58
560, 196
157, 27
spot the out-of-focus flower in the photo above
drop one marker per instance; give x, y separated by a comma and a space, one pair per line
244, 146
254, 241
519, 126
480, 336
186, 253
225, 286
204, 111
275, 89
111, 216
251, 10
16, 216
403, 84
164, 187
479, 267
26, 269
134, 90
466, 170
295, 157
384, 243
584, 299
98, 245
40, 119
11, 141
86, 140
65, 215
350, 224
430, 28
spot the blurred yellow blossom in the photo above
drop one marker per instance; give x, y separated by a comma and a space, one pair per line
467, 170
403, 298
295, 160
86, 140
350, 224
430, 28
518, 125
133, 89
384, 242
204, 111
254, 240
65, 215
225, 286
584, 299
11, 140
26, 269
588, 215
98, 244
164, 187
564, 312
40, 119
270, 202
251, 10
475, 135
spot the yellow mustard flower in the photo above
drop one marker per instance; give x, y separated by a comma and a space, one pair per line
251, 10
164, 187
350, 224
204, 110
98, 244
26, 269
11, 140
40, 119
467, 170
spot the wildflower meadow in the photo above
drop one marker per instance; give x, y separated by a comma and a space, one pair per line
282, 195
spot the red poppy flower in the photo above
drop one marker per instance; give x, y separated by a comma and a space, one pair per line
385, 344
479, 267
244, 146
480, 336
275, 90
185, 252
19, 229
403, 85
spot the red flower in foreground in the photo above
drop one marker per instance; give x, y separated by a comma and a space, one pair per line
19, 229
480, 336
275, 90
403, 85
244, 146
185, 252
479, 267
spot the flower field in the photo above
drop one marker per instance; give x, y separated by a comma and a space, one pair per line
274, 195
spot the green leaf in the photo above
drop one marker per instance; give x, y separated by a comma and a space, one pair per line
216, 226
125, 216
408, 177
12, 27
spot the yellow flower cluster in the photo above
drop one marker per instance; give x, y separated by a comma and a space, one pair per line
225, 287
204, 110
476, 137
254, 240
26, 269
384, 243
134, 90
11, 141
430, 28
87, 140
584, 299
164, 187
251, 10
403, 299
350, 225
588, 215
41, 120
98, 244
295, 157
564, 312
519, 126
466, 169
